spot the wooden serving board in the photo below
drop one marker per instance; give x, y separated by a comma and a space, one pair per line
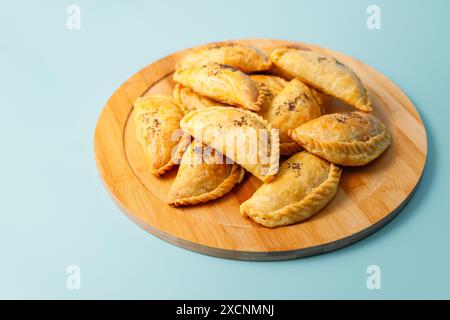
368, 197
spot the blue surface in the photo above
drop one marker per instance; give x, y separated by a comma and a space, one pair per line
55, 211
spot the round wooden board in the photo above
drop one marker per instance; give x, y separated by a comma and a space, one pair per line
368, 197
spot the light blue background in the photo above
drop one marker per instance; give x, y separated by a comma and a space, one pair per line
54, 211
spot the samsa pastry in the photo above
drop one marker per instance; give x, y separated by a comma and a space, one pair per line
269, 87
241, 135
223, 83
157, 120
203, 175
277, 71
295, 105
325, 74
190, 100
244, 58
349, 138
304, 185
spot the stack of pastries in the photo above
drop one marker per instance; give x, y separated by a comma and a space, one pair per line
224, 94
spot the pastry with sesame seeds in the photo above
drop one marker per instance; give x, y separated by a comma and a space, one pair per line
157, 119
269, 87
241, 135
347, 138
304, 185
222, 83
295, 105
244, 58
324, 73
204, 175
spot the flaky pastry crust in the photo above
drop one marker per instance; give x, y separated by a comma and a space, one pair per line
157, 119
304, 185
223, 83
243, 136
325, 74
348, 139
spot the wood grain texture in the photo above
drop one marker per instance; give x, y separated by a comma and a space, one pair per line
368, 197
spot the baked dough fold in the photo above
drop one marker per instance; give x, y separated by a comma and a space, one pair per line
244, 58
325, 74
241, 135
348, 138
304, 185
222, 83
295, 105
190, 100
269, 87
157, 120
203, 175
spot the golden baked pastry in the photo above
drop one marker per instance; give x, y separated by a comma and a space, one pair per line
245, 58
304, 185
274, 69
241, 135
190, 100
295, 105
223, 83
269, 87
325, 74
157, 120
203, 175
348, 138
